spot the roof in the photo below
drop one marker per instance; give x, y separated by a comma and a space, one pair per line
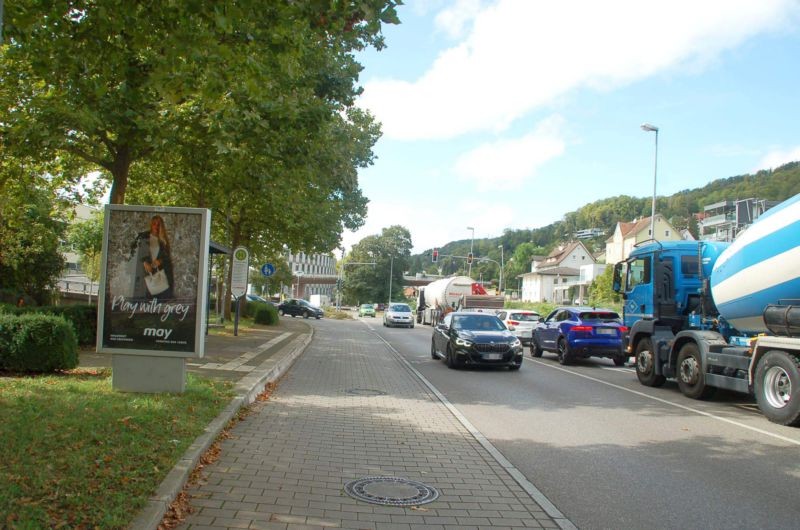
556, 271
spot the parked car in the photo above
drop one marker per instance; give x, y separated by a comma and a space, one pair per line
296, 307
521, 322
366, 310
473, 338
580, 332
398, 315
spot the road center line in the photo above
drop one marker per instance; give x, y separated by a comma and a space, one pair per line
672, 404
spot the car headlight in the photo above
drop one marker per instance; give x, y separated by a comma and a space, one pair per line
463, 342
516, 343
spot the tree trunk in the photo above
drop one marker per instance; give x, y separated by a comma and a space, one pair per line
119, 173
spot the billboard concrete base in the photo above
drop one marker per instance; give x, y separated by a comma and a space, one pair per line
148, 374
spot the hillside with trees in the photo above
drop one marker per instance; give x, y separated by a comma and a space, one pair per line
520, 244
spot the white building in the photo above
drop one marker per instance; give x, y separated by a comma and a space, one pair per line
312, 274
551, 277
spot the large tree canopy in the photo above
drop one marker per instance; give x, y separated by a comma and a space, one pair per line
200, 103
389, 252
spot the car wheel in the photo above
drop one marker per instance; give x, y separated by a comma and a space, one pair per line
305, 314
536, 350
411, 326
646, 364
620, 361
691, 379
516, 366
564, 355
433, 350
280, 312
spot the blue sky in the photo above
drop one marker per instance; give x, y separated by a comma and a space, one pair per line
510, 113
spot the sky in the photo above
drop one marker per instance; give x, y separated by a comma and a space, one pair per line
508, 114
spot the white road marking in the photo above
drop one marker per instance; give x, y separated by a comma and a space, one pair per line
673, 404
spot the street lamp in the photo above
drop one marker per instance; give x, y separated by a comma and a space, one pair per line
502, 266
652, 128
391, 271
471, 242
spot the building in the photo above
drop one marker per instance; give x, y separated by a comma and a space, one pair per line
588, 233
722, 221
311, 274
626, 235
551, 277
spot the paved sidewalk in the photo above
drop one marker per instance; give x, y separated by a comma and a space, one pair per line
350, 408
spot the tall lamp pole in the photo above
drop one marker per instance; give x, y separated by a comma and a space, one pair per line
502, 266
471, 243
391, 271
652, 128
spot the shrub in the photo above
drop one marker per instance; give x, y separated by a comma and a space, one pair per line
266, 314
37, 343
83, 318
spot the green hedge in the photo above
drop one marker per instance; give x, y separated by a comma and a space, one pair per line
37, 343
266, 314
83, 318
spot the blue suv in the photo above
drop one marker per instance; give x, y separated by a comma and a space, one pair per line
580, 332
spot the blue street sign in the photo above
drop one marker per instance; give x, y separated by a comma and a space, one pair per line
268, 269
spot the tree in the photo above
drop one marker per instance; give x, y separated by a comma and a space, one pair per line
601, 291
390, 251
86, 239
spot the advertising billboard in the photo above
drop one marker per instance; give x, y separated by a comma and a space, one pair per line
154, 281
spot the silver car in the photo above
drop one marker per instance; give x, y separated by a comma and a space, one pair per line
521, 322
398, 315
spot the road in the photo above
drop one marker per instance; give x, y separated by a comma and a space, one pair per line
610, 453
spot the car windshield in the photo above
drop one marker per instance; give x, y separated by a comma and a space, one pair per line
400, 308
478, 323
524, 317
366, 306
605, 316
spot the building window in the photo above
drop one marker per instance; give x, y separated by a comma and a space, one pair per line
666, 233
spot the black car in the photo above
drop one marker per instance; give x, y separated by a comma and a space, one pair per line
478, 339
296, 307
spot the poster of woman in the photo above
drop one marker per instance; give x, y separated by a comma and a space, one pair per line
154, 280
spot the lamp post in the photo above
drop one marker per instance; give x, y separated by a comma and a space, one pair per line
502, 266
391, 271
471, 243
652, 128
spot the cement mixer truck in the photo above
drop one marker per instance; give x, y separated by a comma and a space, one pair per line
452, 294
720, 315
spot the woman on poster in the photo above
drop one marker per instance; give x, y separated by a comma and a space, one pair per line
153, 278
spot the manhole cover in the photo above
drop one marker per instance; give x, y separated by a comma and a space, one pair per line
391, 491
365, 392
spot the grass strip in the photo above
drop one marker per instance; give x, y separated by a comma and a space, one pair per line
77, 454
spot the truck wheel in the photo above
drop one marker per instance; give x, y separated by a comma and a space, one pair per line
646, 364
777, 387
564, 355
691, 379
536, 350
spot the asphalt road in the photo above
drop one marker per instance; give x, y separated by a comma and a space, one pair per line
610, 453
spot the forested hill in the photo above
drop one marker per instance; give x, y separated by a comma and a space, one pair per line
778, 184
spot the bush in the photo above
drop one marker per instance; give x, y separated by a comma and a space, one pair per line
266, 314
83, 318
37, 343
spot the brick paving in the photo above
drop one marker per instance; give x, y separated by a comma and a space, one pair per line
350, 408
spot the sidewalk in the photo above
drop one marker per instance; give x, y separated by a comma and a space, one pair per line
352, 438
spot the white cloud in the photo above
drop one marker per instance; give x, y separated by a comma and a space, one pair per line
777, 158
453, 20
520, 55
505, 164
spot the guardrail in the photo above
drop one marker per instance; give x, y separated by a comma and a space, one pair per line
78, 285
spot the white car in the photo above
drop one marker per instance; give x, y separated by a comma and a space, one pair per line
398, 315
521, 322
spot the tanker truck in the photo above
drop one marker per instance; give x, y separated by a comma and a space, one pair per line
452, 294
720, 315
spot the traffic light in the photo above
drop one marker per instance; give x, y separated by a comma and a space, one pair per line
435, 255
469, 258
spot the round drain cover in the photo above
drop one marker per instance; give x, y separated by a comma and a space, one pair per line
391, 491
365, 392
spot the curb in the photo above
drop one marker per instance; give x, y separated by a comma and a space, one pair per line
246, 391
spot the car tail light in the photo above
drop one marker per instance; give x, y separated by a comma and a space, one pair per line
582, 328
513, 323
623, 329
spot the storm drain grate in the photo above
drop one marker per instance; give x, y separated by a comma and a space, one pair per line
391, 491
365, 392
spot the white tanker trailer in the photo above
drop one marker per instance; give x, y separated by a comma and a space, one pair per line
451, 294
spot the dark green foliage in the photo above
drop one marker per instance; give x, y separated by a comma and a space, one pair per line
265, 314
82, 317
37, 343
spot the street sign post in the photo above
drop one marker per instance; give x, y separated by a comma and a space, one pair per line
239, 269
